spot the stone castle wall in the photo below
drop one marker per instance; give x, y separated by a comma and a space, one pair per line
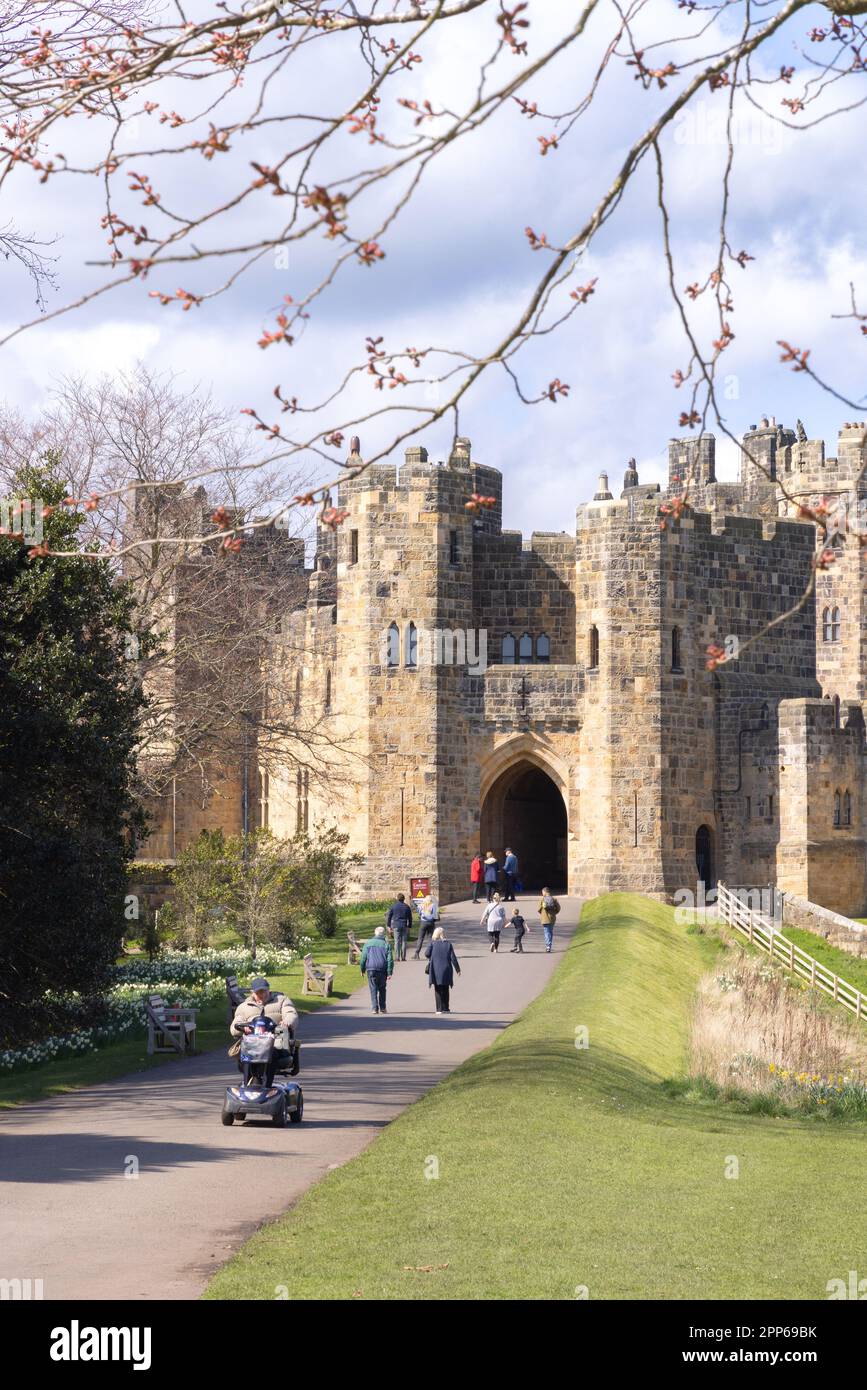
645, 745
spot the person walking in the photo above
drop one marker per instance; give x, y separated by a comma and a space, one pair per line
377, 963
398, 921
548, 909
517, 921
442, 968
510, 874
494, 918
476, 872
428, 916
492, 873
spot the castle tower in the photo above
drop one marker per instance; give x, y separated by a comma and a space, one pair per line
404, 591
691, 463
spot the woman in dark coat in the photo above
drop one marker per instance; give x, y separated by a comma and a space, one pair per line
442, 969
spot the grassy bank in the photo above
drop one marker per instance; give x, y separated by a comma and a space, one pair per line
130, 1054
562, 1168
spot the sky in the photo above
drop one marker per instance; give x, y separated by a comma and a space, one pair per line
458, 266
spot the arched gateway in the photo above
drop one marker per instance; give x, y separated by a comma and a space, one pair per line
523, 808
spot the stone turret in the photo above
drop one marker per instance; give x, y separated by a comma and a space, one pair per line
691, 462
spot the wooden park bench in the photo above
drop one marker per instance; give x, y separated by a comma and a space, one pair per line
171, 1027
318, 979
354, 953
235, 994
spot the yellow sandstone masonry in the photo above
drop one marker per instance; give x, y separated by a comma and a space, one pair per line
473, 689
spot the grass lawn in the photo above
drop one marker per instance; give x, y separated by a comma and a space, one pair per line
562, 1168
130, 1054
852, 969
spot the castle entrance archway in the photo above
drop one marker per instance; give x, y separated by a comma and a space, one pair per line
524, 811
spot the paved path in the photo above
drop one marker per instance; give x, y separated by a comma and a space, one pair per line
69, 1216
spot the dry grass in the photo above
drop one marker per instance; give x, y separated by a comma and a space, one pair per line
756, 1031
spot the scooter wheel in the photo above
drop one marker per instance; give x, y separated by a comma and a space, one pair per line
279, 1119
228, 1117
296, 1114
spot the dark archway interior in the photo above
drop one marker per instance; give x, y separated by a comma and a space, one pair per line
704, 855
524, 810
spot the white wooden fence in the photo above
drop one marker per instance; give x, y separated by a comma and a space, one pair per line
760, 931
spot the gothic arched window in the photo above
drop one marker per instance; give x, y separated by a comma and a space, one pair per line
835, 625
525, 650
847, 808
826, 625
837, 816
543, 647
393, 645
412, 646
508, 652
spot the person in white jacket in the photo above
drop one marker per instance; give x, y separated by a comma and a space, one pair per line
494, 918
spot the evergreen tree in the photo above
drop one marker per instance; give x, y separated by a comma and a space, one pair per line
70, 701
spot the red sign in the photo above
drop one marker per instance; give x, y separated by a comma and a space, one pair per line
419, 887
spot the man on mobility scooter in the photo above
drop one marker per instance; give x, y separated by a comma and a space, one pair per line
265, 1024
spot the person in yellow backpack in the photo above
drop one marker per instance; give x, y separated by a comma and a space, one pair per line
548, 910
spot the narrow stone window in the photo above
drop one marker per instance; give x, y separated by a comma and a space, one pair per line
675, 649
837, 816
412, 646
297, 692
826, 625
836, 711
453, 548
543, 647
334, 614
525, 650
328, 690
594, 648
771, 805
393, 645
353, 547
835, 625
508, 652
847, 809
749, 807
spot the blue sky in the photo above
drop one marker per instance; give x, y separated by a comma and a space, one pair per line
458, 267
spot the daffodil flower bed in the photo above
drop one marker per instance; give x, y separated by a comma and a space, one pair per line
189, 967
120, 1013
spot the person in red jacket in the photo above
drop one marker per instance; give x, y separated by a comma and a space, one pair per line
476, 875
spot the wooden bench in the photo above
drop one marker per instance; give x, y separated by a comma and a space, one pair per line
318, 979
354, 953
235, 994
171, 1027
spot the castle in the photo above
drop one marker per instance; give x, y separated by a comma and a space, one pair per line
478, 689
